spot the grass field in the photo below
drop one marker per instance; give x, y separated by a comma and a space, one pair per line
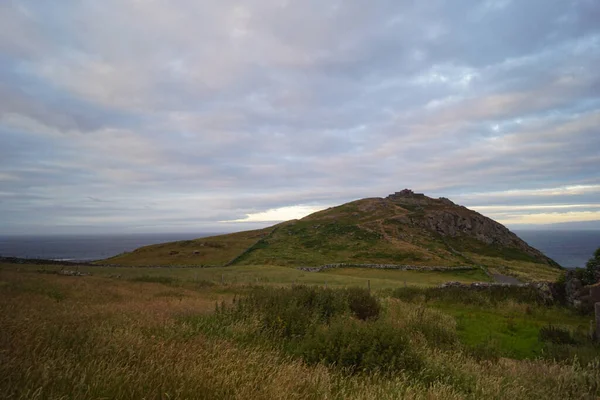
153, 333
508, 328
417, 278
274, 275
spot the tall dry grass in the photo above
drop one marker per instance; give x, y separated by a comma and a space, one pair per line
95, 338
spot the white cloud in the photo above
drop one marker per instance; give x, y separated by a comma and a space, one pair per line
169, 106
554, 191
280, 214
551, 218
529, 207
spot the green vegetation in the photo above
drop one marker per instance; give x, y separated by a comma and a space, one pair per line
272, 275
367, 231
418, 278
138, 335
484, 297
524, 271
167, 280
509, 322
210, 251
471, 245
589, 275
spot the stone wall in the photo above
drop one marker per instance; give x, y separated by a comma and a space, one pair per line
386, 266
546, 289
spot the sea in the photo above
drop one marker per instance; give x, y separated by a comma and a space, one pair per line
568, 248
84, 247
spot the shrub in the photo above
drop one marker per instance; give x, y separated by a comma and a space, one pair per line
556, 335
489, 350
362, 304
203, 283
335, 327
436, 327
357, 346
167, 280
289, 312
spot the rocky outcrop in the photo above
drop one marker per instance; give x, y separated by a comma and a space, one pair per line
447, 219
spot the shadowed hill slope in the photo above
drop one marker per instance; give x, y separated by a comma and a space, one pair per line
403, 228
210, 251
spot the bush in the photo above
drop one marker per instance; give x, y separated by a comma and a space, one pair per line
167, 280
338, 327
556, 335
489, 350
362, 304
289, 312
436, 327
358, 346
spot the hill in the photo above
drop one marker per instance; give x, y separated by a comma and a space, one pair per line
403, 228
209, 251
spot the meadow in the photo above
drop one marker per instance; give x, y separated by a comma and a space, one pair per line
266, 332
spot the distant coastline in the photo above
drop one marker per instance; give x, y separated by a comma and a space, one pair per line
84, 248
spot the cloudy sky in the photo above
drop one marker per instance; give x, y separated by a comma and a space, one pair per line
188, 115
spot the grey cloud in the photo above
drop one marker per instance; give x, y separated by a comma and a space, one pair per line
183, 114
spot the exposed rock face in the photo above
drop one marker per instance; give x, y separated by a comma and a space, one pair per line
408, 197
448, 219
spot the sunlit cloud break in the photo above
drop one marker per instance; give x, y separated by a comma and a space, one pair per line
278, 214
550, 218
532, 207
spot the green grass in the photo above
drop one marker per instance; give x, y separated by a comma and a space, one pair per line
167, 280
418, 278
141, 336
274, 275
214, 251
506, 321
515, 334
472, 245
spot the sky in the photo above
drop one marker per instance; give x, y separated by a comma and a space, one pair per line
216, 116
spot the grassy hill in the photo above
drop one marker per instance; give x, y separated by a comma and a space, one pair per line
403, 228
208, 251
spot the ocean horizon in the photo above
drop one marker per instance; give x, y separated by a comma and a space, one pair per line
568, 248
85, 247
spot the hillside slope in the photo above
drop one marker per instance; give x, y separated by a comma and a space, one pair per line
403, 228
207, 251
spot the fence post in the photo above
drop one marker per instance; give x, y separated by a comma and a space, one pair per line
369, 284
597, 310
